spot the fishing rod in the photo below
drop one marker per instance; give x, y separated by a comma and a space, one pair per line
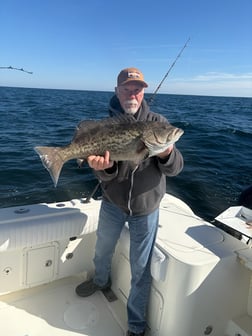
150, 100
19, 69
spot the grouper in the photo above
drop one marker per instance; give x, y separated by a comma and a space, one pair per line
125, 138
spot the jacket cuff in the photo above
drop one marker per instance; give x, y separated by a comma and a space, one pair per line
107, 174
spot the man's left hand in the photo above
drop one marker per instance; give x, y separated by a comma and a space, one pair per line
166, 153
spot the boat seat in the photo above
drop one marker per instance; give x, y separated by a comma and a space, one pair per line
41, 223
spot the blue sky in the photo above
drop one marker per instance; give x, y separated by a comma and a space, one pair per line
81, 44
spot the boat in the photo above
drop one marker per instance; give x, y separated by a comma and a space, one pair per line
202, 274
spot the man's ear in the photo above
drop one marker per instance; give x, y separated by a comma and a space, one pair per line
116, 91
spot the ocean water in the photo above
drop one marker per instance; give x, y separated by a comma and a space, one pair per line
216, 145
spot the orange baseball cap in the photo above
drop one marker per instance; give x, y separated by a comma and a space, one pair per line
131, 75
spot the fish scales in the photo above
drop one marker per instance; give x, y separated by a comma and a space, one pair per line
124, 139
119, 139
116, 140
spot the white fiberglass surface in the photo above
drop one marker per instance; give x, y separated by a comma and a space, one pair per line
56, 310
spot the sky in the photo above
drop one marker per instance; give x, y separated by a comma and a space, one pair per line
83, 45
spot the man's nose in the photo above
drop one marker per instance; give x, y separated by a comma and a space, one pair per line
132, 93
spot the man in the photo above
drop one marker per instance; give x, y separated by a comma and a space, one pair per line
131, 194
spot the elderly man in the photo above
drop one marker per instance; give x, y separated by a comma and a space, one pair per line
131, 194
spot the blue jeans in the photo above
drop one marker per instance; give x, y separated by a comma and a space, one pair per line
143, 231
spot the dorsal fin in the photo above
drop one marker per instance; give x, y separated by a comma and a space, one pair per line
120, 118
88, 125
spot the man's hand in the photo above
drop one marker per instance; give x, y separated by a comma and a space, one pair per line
100, 162
166, 153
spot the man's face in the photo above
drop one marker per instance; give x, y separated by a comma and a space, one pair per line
130, 96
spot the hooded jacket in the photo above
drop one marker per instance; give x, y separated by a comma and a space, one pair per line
138, 190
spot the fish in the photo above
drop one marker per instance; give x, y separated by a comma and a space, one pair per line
124, 137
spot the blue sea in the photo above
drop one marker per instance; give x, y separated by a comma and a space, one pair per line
216, 145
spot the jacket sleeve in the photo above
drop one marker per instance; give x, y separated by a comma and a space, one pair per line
172, 165
107, 174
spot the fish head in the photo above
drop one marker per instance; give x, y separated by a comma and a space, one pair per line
168, 134
160, 136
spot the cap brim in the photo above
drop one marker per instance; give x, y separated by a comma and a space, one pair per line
133, 80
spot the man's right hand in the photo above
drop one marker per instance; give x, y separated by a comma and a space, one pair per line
100, 162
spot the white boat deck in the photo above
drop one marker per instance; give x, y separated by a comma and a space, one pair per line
55, 310
202, 277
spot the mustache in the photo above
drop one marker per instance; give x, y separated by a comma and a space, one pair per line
131, 101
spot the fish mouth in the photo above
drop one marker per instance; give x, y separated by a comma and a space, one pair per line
176, 134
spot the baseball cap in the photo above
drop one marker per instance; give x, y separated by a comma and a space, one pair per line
131, 75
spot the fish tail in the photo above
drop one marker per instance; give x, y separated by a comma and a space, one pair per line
51, 160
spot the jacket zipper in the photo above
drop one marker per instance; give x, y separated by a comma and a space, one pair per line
131, 188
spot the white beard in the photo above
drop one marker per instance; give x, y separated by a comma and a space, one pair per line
131, 106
